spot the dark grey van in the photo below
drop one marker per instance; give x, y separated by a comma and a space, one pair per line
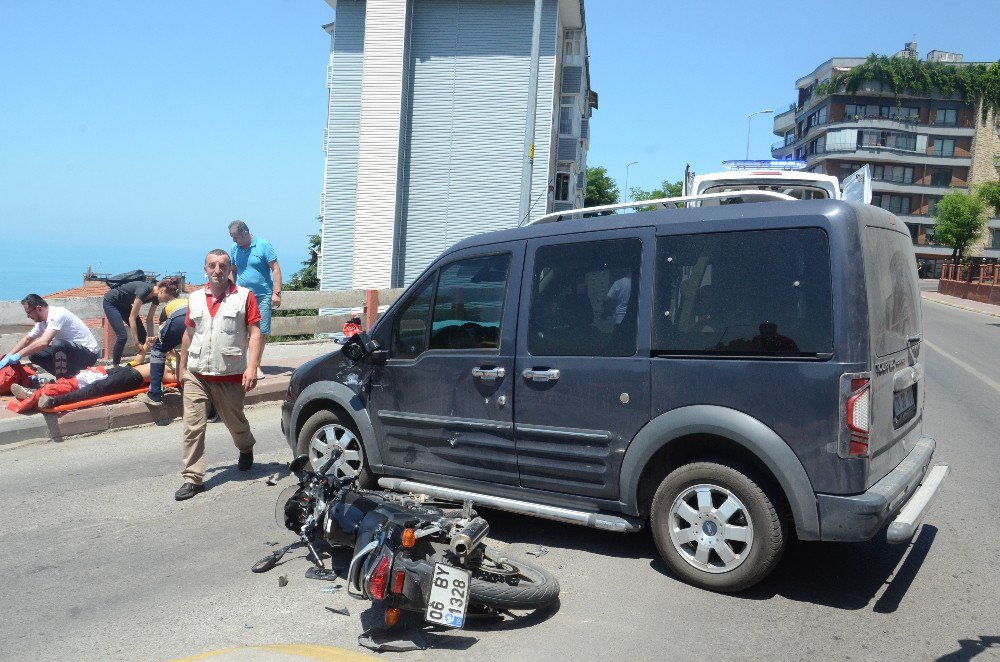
728, 374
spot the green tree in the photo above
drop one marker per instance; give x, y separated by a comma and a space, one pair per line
601, 189
307, 277
667, 189
961, 218
990, 193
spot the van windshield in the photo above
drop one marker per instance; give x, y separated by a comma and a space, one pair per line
893, 290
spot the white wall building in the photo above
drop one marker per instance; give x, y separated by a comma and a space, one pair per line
428, 115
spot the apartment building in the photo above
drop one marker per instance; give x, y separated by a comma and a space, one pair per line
447, 118
918, 147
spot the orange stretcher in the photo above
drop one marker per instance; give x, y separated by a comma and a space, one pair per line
104, 399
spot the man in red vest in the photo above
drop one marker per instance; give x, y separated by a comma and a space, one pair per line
218, 365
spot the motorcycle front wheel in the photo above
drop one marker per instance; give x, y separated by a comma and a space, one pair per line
513, 584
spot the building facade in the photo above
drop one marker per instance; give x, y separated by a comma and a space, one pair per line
918, 147
429, 137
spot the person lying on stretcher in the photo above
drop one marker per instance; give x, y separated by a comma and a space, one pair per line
94, 382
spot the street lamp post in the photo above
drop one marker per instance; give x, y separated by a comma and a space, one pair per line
749, 117
626, 178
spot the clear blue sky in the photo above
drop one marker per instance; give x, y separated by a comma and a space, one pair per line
131, 133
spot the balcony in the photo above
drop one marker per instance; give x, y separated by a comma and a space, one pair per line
877, 122
887, 154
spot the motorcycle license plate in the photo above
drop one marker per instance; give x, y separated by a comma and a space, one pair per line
449, 596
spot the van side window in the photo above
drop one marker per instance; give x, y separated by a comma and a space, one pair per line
584, 299
757, 293
410, 331
469, 303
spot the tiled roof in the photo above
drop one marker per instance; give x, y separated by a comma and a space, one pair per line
89, 290
96, 290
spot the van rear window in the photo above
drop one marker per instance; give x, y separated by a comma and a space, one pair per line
752, 293
893, 289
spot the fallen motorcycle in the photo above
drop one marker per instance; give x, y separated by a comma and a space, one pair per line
410, 553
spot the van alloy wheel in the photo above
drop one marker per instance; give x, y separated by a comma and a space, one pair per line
719, 526
711, 528
337, 440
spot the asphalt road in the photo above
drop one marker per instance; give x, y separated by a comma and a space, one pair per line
99, 562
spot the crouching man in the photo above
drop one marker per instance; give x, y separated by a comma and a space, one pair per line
218, 365
59, 343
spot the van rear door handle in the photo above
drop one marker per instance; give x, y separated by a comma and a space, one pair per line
550, 375
489, 374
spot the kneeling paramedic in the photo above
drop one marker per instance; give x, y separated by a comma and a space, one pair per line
218, 365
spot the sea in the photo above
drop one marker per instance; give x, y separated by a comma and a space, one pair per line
37, 267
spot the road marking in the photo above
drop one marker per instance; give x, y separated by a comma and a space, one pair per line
965, 366
287, 651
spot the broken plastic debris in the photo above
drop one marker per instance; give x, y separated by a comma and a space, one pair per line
541, 551
382, 640
273, 479
323, 574
282, 580
338, 610
331, 589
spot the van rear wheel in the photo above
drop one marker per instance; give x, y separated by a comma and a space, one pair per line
717, 526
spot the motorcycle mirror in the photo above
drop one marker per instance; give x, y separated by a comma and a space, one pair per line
299, 463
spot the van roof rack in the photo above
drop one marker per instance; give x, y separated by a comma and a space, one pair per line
662, 203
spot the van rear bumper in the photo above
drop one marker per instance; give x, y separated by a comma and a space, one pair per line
861, 516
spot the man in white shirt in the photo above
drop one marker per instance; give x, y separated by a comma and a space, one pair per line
617, 299
59, 343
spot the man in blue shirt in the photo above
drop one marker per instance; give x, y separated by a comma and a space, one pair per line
256, 267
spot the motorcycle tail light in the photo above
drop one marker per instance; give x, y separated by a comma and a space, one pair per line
379, 578
409, 538
391, 617
397, 582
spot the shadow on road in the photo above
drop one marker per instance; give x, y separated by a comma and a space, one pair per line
847, 575
222, 475
839, 575
969, 648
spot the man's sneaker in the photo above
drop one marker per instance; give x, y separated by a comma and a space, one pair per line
187, 491
20, 392
213, 415
45, 402
147, 399
246, 461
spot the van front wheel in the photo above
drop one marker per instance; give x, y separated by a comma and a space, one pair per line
717, 527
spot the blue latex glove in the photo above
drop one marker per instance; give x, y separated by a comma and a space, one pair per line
10, 359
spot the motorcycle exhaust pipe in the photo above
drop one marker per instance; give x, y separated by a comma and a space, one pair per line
471, 535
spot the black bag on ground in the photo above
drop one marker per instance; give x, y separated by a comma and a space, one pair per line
125, 277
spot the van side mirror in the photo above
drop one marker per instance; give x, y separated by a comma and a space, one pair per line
359, 346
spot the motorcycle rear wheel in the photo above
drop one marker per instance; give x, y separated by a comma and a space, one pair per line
516, 585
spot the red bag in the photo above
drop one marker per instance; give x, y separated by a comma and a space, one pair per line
352, 327
15, 374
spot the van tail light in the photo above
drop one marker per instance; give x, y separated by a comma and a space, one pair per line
378, 580
856, 409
